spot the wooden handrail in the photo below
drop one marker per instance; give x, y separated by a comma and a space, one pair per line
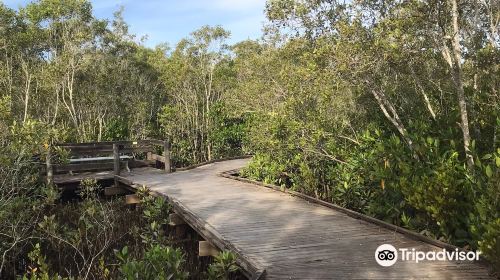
110, 143
111, 149
116, 160
103, 143
106, 148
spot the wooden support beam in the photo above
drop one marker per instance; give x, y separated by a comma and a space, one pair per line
132, 199
116, 161
175, 220
180, 231
50, 170
166, 150
116, 157
157, 157
206, 249
109, 191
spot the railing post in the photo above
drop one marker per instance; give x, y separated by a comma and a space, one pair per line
166, 151
48, 163
116, 156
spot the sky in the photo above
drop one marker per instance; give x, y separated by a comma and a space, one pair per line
171, 20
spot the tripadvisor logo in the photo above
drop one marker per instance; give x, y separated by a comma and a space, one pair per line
387, 255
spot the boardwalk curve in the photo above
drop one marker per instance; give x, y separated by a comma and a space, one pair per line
287, 236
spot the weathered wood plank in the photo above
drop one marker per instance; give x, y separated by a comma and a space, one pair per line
110, 191
157, 157
288, 237
166, 154
132, 199
96, 144
90, 151
86, 166
116, 163
205, 249
62, 179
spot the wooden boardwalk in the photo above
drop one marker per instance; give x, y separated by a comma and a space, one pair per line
286, 236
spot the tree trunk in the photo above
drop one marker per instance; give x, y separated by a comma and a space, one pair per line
99, 135
393, 117
458, 80
56, 108
208, 94
27, 88
494, 20
26, 96
424, 95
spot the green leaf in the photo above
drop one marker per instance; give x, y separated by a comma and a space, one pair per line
487, 156
488, 171
125, 251
497, 159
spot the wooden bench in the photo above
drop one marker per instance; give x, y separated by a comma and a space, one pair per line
104, 156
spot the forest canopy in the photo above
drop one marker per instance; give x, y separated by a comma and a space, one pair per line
388, 108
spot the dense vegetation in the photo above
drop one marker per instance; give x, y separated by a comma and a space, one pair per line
390, 108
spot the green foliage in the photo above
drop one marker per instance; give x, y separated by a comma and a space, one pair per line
227, 134
39, 269
437, 195
223, 267
89, 188
155, 212
5, 110
83, 235
485, 224
350, 108
116, 129
353, 103
196, 120
158, 263
22, 196
437, 192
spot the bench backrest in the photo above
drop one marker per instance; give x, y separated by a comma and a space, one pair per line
113, 155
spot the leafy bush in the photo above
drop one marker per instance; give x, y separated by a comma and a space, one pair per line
227, 132
116, 129
23, 197
223, 267
39, 269
435, 195
155, 212
81, 236
158, 263
485, 225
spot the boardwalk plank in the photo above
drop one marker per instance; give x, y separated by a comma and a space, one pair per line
287, 236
